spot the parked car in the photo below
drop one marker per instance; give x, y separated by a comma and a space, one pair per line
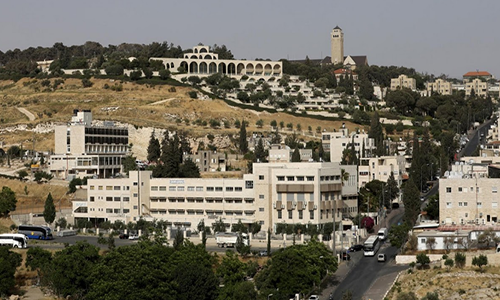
346, 256
123, 236
314, 297
263, 253
381, 257
355, 248
133, 237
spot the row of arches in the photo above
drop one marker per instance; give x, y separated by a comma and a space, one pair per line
201, 56
231, 68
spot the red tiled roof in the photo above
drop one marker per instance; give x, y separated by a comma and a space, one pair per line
342, 71
477, 73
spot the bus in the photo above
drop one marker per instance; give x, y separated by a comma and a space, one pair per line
36, 232
15, 240
372, 244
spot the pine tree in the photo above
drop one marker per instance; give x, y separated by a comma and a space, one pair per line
49, 210
154, 150
243, 143
411, 203
189, 170
296, 155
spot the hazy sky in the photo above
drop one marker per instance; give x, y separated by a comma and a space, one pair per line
435, 36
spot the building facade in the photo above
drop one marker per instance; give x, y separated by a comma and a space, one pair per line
477, 85
439, 86
380, 168
337, 47
84, 150
209, 161
469, 76
201, 62
466, 199
336, 142
403, 81
275, 193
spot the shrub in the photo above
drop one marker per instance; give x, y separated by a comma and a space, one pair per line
448, 263
480, 261
459, 260
193, 94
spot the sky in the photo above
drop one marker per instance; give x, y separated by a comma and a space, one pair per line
448, 37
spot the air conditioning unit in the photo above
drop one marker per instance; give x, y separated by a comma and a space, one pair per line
274, 205
282, 206
315, 207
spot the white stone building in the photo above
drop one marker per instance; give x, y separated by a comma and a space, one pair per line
86, 150
380, 168
275, 193
403, 81
336, 142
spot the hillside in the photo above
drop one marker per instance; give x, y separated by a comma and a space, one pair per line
140, 105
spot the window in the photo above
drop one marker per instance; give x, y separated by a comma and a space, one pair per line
199, 189
92, 187
154, 188
448, 189
280, 215
238, 189
281, 178
311, 214
300, 178
261, 177
422, 241
479, 205
460, 189
290, 214
109, 198
310, 178
248, 184
180, 189
218, 189
448, 204
459, 203
261, 196
99, 188
135, 195
290, 196
301, 214
92, 199
494, 189
135, 206
261, 222
116, 188
290, 178
210, 188
494, 204
465, 203
135, 183
171, 188
117, 199
109, 188
229, 188
126, 199
301, 197
126, 210
116, 210
109, 210
261, 209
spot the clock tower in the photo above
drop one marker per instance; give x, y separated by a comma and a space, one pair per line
337, 38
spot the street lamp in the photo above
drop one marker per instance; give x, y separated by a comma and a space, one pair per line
269, 296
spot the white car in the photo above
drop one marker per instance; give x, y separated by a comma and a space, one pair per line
381, 257
314, 297
133, 237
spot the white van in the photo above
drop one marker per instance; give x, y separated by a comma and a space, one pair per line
382, 234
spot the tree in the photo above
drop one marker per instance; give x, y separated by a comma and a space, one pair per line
22, 174
219, 226
129, 164
164, 74
423, 260
296, 155
7, 201
39, 175
269, 241
488, 236
459, 260
448, 263
398, 234
274, 124
431, 242
411, 202
243, 143
431, 296
260, 153
154, 149
480, 261
377, 133
37, 259
189, 169
9, 263
86, 83
49, 210
259, 123
179, 239
392, 189
347, 294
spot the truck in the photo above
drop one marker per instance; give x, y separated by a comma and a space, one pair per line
383, 233
230, 239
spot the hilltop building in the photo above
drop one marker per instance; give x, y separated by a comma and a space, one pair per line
403, 81
469, 76
477, 85
86, 150
202, 62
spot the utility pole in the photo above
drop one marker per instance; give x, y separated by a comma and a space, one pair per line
333, 233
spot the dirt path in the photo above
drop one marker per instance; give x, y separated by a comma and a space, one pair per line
161, 101
30, 116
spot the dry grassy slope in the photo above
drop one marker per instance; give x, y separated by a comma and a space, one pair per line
136, 106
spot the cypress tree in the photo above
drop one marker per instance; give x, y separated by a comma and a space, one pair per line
49, 210
154, 149
260, 154
243, 143
411, 203
296, 155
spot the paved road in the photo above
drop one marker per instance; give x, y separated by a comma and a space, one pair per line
365, 271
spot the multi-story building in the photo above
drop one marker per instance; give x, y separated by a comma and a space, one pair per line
380, 168
274, 193
403, 81
84, 150
209, 161
439, 86
336, 142
468, 199
477, 85
202, 62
